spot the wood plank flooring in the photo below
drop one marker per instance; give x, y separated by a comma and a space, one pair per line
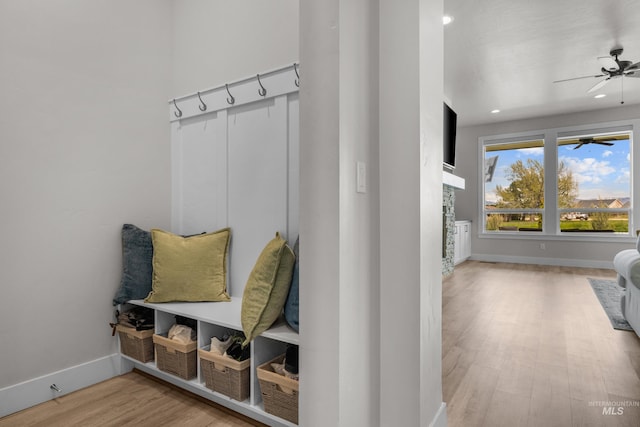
133, 399
531, 346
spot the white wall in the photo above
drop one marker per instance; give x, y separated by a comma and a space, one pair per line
557, 252
84, 147
411, 93
218, 41
363, 98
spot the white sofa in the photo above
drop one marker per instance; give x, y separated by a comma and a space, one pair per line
627, 266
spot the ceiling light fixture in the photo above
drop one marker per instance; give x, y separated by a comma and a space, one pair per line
496, 111
446, 19
600, 95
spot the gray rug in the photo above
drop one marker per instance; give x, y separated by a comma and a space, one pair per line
609, 293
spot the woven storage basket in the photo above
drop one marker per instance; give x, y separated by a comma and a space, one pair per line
279, 393
136, 344
225, 375
176, 358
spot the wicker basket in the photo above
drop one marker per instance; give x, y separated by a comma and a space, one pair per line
136, 344
176, 358
279, 393
225, 375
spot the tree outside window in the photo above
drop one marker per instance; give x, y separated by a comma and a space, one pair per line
592, 190
514, 186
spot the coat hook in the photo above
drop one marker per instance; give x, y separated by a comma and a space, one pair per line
297, 81
262, 91
202, 107
178, 113
55, 388
231, 100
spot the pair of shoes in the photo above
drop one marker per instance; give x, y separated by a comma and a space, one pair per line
236, 351
291, 360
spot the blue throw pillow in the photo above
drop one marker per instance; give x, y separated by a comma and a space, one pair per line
137, 264
293, 299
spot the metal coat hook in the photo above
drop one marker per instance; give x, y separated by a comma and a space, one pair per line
297, 81
178, 113
202, 107
262, 91
231, 100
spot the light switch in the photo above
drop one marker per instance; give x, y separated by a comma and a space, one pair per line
361, 177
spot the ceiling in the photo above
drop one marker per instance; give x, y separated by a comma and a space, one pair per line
506, 54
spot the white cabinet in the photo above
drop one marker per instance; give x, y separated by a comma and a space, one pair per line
462, 243
213, 319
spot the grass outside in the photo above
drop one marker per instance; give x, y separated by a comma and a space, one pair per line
617, 225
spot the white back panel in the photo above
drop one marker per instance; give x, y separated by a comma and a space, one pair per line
294, 167
199, 171
239, 168
257, 182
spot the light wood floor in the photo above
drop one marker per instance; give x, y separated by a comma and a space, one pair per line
531, 346
133, 399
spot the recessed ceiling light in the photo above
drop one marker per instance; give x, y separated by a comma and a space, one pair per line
495, 111
446, 19
600, 95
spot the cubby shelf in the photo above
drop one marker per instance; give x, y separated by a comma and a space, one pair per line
225, 314
214, 318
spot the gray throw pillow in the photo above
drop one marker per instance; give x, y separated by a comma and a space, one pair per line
137, 264
291, 313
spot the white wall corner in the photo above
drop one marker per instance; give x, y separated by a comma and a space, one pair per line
23, 395
440, 419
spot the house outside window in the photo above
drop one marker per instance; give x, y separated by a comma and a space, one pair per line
597, 197
571, 183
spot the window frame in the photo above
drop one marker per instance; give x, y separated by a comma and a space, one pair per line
551, 213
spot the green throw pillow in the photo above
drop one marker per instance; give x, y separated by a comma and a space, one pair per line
267, 288
190, 268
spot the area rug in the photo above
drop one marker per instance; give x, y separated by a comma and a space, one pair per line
609, 293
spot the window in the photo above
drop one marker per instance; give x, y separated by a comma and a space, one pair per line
564, 182
514, 186
594, 185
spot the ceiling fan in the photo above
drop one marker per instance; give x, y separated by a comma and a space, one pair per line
584, 141
612, 67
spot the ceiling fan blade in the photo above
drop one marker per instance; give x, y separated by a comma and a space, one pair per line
603, 143
608, 63
599, 85
633, 67
578, 146
578, 78
632, 73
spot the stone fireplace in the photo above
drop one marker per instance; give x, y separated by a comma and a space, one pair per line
448, 228
450, 184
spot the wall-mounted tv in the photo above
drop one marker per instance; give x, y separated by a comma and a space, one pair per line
449, 137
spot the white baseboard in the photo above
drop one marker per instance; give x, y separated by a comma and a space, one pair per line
561, 262
440, 420
23, 395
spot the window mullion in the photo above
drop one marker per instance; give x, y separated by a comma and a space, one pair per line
551, 225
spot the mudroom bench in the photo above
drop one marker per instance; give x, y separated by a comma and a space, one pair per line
216, 319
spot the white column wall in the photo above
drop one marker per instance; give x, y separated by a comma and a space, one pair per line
432, 409
360, 99
400, 258
359, 343
320, 287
